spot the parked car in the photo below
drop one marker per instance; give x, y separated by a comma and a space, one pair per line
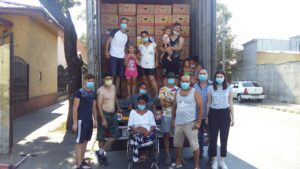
247, 90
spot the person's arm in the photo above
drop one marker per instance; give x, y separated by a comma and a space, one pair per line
156, 57
107, 46
174, 112
95, 113
75, 114
180, 46
99, 104
200, 113
126, 61
136, 60
208, 105
231, 108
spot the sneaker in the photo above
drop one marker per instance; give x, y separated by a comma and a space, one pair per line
101, 157
214, 164
223, 165
174, 165
86, 164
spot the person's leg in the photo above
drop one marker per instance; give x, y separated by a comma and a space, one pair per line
192, 137
83, 150
145, 79
133, 84
78, 153
213, 132
153, 84
201, 137
117, 83
178, 143
129, 86
224, 131
113, 127
119, 73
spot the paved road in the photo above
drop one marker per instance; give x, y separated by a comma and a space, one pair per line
261, 138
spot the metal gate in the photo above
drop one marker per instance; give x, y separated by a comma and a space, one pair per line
20, 80
6, 53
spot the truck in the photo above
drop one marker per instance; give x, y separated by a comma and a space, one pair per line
198, 18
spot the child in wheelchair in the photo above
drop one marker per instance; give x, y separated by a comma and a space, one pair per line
142, 127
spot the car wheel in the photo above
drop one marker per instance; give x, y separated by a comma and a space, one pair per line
239, 99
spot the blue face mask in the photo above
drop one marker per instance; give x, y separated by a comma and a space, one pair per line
143, 91
185, 85
146, 39
220, 80
123, 26
202, 77
141, 106
171, 81
90, 85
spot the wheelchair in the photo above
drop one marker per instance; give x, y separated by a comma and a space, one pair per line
150, 149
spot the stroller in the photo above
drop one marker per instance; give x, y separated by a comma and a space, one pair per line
150, 149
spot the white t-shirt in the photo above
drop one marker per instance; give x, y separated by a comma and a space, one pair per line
219, 97
117, 45
147, 55
136, 120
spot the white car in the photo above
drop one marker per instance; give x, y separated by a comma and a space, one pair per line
247, 90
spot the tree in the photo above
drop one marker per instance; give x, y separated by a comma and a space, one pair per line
232, 53
59, 9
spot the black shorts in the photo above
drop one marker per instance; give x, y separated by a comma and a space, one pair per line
84, 131
147, 72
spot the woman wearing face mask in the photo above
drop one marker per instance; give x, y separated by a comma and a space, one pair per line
142, 124
149, 60
220, 117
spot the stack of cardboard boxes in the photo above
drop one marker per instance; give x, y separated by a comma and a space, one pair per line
151, 18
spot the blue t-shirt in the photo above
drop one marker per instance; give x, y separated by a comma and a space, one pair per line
134, 101
85, 109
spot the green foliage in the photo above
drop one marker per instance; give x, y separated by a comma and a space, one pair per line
232, 53
67, 4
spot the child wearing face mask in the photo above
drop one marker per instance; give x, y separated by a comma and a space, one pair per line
84, 118
131, 72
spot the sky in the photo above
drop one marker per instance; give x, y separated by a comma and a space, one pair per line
272, 19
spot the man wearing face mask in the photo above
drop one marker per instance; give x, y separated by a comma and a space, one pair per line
107, 118
166, 96
184, 120
115, 51
176, 42
142, 91
202, 88
84, 118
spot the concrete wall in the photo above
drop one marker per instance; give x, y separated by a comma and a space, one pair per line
273, 45
280, 81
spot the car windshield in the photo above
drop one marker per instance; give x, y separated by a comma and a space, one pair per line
250, 84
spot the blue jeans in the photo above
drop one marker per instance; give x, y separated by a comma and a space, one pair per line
201, 136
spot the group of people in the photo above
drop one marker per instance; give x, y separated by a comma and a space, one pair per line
190, 102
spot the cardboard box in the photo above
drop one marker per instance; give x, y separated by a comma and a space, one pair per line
149, 29
109, 9
186, 41
132, 39
131, 31
132, 20
127, 9
185, 51
145, 9
163, 9
145, 20
109, 19
182, 19
181, 9
159, 31
158, 41
105, 29
163, 20
185, 31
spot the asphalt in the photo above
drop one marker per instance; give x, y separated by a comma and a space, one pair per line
34, 134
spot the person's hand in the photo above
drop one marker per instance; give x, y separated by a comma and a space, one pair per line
74, 127
173, 123
206, 121
107, 55
104, 123
95, 124
196, 126
232, 123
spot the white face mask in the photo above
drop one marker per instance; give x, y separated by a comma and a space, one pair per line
175, 33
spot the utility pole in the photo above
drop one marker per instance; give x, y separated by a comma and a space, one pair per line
223, 41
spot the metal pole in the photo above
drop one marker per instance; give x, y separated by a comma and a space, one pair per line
90, 35
223, 42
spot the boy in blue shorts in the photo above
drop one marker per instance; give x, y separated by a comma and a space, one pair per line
84, 115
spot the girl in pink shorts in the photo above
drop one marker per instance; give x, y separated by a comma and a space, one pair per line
131, 71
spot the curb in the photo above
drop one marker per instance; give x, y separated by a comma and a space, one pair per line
290, 110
